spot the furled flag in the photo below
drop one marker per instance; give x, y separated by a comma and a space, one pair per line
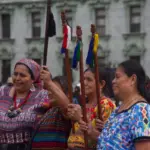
52, 25
76, 56
66, 38
93, 46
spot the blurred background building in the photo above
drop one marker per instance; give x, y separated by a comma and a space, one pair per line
123, 25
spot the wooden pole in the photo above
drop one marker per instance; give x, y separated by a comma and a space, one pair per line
93, 31
83, 100
67, 61
46, 32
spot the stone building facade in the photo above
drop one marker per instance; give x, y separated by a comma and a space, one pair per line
123, 25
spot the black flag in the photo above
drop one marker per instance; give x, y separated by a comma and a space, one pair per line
51, 26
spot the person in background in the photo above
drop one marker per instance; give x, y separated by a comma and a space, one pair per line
128, 127
76, 141
76, 95
10, 81
53, 132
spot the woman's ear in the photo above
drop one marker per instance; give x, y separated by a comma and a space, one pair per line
133, 79
102, 84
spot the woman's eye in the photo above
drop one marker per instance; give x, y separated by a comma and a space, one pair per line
22, 75
15, 73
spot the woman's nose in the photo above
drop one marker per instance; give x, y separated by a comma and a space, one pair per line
114, 80
85, 82
17, 77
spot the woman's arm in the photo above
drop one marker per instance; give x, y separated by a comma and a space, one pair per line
60, 98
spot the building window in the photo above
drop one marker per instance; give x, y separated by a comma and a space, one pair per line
36, 24
38, 60
100, 18
5, 25
135, 19
135, 58
6, 70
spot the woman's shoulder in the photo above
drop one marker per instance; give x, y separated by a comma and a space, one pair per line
141, 107
107, 101
40, 92
4, 90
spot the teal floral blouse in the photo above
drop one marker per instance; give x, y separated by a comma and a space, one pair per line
123, 129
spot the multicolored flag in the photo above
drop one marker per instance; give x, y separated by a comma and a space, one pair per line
93, 46
66, 38
76, 56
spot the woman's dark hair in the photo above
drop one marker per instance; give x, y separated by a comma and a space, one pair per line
106, 75
29, 70
62, 80
132, 67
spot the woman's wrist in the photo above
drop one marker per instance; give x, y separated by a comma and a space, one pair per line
49, 85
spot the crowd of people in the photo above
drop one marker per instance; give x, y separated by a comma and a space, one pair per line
36, 113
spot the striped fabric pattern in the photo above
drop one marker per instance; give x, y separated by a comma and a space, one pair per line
53, 132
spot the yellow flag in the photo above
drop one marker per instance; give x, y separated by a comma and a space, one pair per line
96, 40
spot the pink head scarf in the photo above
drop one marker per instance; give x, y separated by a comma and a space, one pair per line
34, 68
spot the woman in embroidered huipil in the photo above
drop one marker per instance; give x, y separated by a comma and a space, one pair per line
128, 127
54, 130
76, 141
21, 105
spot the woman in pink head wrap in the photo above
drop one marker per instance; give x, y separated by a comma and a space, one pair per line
34, 70
23, 104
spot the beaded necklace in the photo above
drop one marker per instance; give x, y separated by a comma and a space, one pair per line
15, 110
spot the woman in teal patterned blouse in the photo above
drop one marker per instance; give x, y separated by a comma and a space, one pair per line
128, 127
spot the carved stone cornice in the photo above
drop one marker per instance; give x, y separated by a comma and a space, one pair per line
103, 37
7, 41
99, 3
102, 52
60, 38
134, 50
6, 54
6, 48
38, 40
130, 35
23, 2
67, 5
35, 47
134, 2
34, 53
35, 5
6, 8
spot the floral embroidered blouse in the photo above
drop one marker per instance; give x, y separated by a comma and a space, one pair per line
123, 129
77, 140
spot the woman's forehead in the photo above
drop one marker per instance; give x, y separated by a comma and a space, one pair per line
88, 73
120, 70
21, 67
